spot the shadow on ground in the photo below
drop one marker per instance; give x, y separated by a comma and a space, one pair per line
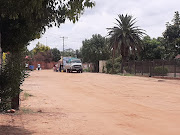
13, 130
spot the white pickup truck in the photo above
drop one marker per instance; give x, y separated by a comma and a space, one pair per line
72, 64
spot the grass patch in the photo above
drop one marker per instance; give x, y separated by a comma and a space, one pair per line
27, 95
127, 74
26, 110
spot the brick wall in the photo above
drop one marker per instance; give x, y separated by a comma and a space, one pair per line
44, 65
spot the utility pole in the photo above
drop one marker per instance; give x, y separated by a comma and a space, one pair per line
63, 43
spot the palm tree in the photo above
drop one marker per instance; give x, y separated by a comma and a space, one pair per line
125, 38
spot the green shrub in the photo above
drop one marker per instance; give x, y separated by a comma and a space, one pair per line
160, 71
117, 65
12, 77
129, 69
103, 70
86, 70
109, 66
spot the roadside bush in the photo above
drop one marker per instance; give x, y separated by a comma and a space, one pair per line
109, 65
86, 70
5, 103
103, 70
12, 76
117, 65
129, 69
160, 71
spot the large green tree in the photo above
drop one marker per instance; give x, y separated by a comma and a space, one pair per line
125, 37
172, 36
56, 54
24, 20
94, 49
153, 48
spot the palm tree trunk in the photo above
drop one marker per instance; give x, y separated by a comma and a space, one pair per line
124, 57
122, 64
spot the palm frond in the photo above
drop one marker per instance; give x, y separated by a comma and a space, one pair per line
125, 35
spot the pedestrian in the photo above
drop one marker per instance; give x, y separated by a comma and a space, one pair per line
39, 67
60, 67
54, 68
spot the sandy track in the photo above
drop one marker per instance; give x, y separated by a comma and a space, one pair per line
95, 104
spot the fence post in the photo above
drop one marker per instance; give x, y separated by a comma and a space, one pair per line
163, 68
150, 68
135, 67
129, 68
174, 68
142, 67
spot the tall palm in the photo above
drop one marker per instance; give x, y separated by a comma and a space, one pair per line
125, 37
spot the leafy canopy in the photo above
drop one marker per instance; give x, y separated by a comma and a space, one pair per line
40, 48
56, 54
25, 20
94, 49
172, 36
153, 48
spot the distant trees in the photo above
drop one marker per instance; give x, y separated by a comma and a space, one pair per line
125, 37
46, 54
56, 54
69, 52
40, 48
42, 53
94, 49
152, 49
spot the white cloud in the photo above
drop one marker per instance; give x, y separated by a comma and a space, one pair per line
151, 16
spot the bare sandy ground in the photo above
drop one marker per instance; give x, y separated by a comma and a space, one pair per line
95, 104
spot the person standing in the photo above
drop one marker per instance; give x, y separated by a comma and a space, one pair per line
39, 67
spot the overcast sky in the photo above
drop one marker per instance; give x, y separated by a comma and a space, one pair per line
151, 15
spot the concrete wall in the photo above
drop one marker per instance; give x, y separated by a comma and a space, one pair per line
89, 66
102, 63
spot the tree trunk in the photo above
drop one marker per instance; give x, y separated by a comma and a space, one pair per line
15, 102
122, 65
124, 59
125, 55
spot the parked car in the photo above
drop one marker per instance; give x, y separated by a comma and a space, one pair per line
71, 64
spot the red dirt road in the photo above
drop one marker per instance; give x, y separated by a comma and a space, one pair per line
95, 104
